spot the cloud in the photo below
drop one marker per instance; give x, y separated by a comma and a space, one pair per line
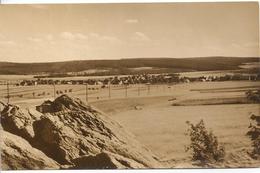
139, 36
34, 39
2, 35
105, 38
94, 35
49, 37
67, 36
245, 46
38, 6
251, 44
111, 39
80, 36
73, 36
7, 43
131, 21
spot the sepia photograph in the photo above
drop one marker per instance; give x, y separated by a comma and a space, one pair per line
129, 86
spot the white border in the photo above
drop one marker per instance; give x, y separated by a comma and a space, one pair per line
239, 170
110, 1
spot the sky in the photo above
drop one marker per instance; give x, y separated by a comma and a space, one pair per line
47, 33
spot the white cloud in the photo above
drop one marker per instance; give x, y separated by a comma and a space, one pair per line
7, 43
67, 36
73, 36
246, 47
34, 39
49, 37
139, 36
105, 38
251, 44
2, 35
39, 6
94, 35
131, 21
80, 36
111, 39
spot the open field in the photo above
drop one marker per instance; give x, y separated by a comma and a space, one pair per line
182, 91
161, 126
36, 94
162, 129
148, 112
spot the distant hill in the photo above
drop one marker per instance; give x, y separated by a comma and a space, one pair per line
121, 66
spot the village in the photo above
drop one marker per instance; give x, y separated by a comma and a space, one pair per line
139, 79
107, 87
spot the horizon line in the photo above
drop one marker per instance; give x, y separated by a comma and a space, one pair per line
129, 59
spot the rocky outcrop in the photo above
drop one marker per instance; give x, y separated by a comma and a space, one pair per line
72, 129
2, 105
105, 160
75, 134
19, 121
17, 153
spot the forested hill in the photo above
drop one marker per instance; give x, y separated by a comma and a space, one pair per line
181, 64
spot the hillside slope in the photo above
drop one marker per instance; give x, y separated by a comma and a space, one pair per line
180, 64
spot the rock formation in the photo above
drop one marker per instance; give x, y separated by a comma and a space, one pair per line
75, 134
19, 121
17, 153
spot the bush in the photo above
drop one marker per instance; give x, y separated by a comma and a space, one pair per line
254, 134
204, 145
253, 96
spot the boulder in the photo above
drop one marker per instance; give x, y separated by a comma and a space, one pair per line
75, 135
105, 160
19, 121
71, 130
2, 105
17, 153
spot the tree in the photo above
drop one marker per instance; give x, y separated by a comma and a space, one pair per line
254, 134
204, 145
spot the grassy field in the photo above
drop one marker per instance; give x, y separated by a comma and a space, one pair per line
162, 129
161, 126
150, 115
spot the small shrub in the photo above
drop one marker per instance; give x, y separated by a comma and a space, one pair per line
204, 145
254, 134
253, 96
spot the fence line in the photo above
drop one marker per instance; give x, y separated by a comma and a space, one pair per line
8, 95
110, 91
86, 93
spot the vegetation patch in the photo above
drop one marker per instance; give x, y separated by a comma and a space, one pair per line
253, 96
254, 134
204, 144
